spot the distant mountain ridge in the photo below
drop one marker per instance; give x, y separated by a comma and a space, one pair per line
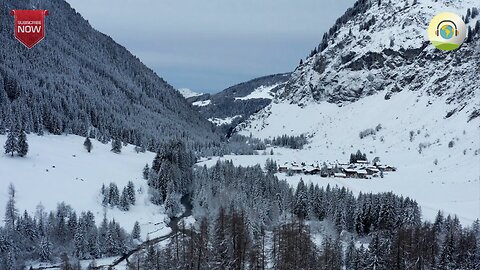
78, 80
238, 102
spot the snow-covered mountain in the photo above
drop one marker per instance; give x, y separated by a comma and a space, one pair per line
238, 102
375, 68
382, 47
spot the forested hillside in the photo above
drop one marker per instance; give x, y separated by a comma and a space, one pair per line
78, 80
236, 103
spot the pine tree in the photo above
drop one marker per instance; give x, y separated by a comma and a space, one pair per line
113, 195
220, 244
352, 158
80, 240
377, 257
447, 259
136, 231
45, 249
110, 243
350, 256
22, 144
106, 197
88, 144
11, 261
116, 146
474, 12
11, 211
131, 193
146, 172
301, 200
102, 235
271, 166
11, 145
124, 203
157, 161
386, 216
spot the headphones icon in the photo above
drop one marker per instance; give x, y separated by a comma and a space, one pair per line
446, 21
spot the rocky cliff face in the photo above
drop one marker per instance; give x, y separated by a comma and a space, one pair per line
382, 47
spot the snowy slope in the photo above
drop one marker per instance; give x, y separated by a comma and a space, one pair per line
202, 103
261, 92
224, 121
187, 93
453, 185
77, 179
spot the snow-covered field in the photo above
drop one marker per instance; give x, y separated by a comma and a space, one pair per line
453, 185
223, 121
201, 103
58, 169
260, 92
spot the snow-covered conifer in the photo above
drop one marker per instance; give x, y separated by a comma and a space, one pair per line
124, 204
88, 144
11, 144
22, 144
136, 231
131, 193
116, 146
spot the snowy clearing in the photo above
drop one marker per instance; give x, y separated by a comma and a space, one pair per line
201, 103
223, 121
58, 169
260, 92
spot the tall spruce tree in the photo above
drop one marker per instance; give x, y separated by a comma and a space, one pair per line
146, 172
22, 144
11, 211
11, 145
136, 231
113, 195
131, 193
124, 203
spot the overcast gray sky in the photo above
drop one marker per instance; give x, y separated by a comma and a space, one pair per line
212, 44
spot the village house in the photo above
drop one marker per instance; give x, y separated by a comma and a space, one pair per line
311, 170
283, 168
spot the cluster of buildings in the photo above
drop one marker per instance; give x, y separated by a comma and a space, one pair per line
360, 169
